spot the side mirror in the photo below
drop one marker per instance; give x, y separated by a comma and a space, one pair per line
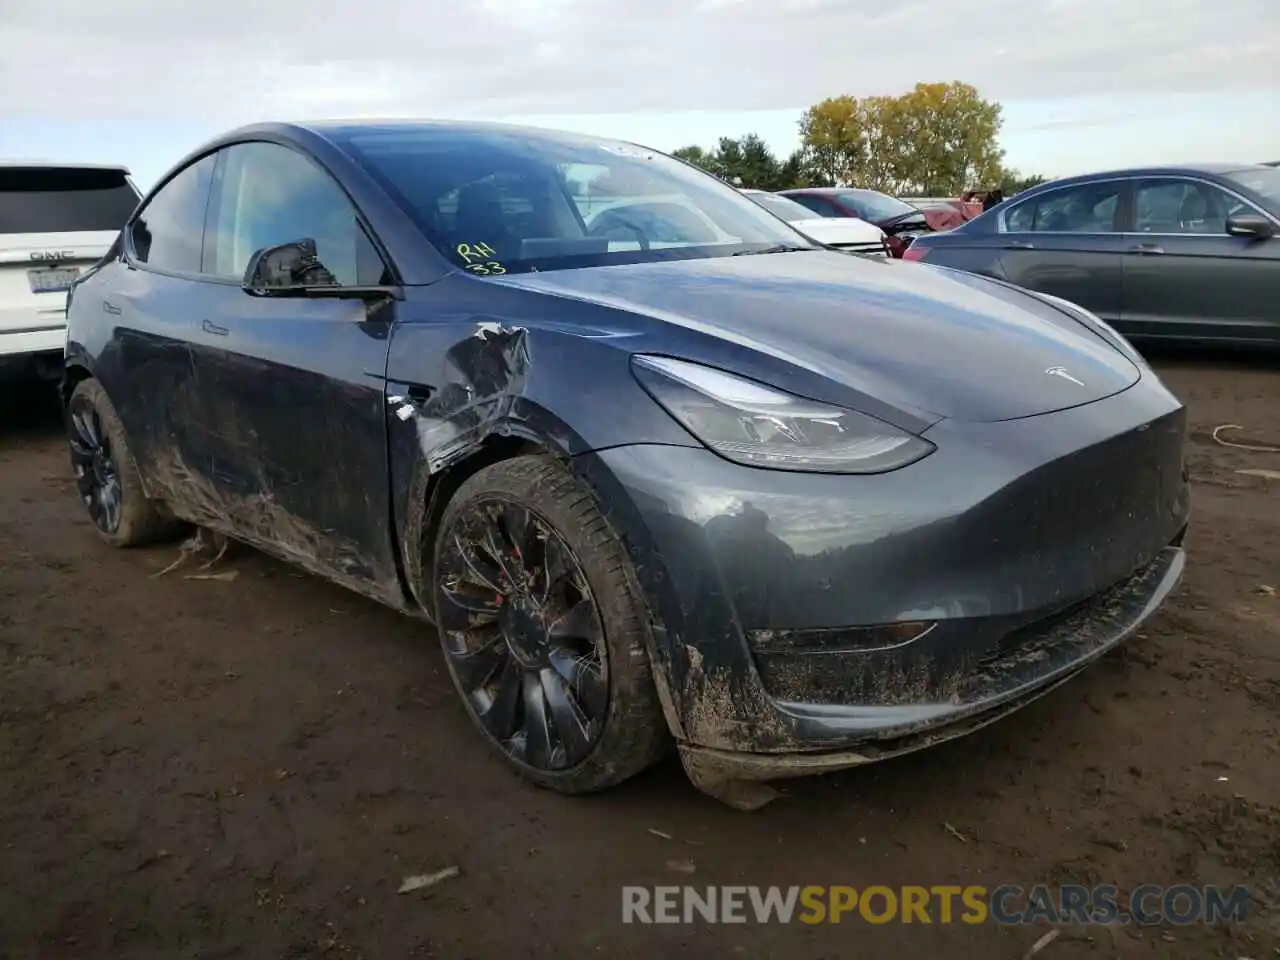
286, 266
1253, 225
293, 270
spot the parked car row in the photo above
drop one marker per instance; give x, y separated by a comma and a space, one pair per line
657, 468
900, 221
851, 234
1171, 253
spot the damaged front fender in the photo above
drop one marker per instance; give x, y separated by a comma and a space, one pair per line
464, 392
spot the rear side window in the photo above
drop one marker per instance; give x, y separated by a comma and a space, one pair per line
169, 232
63, 199
1086, 208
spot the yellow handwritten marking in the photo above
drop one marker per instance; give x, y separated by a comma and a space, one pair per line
475, 251
491, 269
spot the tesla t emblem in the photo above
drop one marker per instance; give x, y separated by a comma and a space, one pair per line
1062, 372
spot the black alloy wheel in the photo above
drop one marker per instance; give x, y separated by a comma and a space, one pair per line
94, 464
523, 634
544, 627
106, 475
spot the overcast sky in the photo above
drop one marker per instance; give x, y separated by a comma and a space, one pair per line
1085, 83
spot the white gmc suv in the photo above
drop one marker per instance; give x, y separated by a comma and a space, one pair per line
55, 220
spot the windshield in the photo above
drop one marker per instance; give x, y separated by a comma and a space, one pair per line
1262, 180
63, 199
497, 201
788, 210
873, 205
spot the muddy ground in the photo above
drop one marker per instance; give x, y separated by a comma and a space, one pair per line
197, 768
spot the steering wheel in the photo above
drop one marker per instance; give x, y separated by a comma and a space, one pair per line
603, 227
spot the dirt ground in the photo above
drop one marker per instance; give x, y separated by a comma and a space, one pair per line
249, 768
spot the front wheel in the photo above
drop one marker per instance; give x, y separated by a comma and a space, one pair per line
106, 474
543, 628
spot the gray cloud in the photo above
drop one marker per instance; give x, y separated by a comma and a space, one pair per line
229, 61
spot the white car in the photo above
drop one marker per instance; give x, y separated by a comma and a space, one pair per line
843, 233
55, 220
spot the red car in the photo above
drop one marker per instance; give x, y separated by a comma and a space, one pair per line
900, 221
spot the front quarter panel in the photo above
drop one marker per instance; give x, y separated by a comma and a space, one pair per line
475, 362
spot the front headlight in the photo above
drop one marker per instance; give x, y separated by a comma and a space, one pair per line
758, 426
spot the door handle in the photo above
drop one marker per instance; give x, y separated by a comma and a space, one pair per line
213, 328
1020, 245
1146, 248
111, 308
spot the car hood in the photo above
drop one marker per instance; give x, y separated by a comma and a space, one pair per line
909, 335
836, 230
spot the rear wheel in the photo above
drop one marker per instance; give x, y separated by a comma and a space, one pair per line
543, 628
106, 474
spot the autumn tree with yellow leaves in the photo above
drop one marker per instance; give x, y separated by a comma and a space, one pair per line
938, 139
935, 140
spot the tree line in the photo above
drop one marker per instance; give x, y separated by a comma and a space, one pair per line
938, 139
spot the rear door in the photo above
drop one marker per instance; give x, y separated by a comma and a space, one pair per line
1186, 277
1067, 242
150, 302
54, 222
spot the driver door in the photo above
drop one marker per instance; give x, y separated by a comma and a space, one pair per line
1185, 276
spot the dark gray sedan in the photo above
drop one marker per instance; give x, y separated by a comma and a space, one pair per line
1174, 253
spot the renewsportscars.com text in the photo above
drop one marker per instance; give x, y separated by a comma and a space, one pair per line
1007, 904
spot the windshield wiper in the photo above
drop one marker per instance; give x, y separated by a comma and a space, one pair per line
776, 248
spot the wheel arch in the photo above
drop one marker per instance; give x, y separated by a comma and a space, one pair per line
433, 492
438, 489
74, 372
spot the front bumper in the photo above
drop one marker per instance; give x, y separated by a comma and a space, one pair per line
1033, 546
996, 688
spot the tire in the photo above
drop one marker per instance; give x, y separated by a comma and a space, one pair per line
631, 734
137, 521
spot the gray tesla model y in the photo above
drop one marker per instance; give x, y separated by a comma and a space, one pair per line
688, 478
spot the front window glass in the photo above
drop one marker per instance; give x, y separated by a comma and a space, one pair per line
1184, 206
501, 201
1264, 180
269, 195
782, 207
